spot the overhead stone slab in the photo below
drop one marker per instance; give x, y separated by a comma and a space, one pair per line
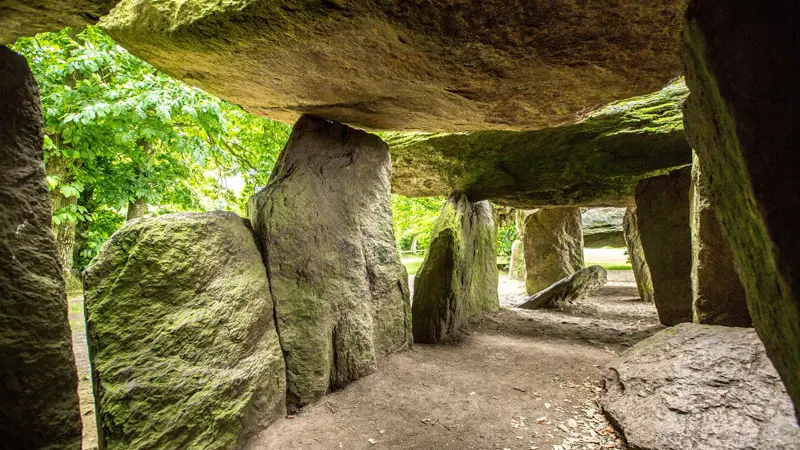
325, 224
38, 379
181, 334
662, 218
641, 271
458, 277
569, 289
20, 18
700, 387
553, 246
595, 162
434, 65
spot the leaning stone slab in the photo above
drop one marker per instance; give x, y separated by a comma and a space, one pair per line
325, 224
181, 335
569, 289
641, 271
553, 246
38, 380
700, 387
459, 275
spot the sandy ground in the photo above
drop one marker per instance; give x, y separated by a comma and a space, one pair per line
81, 351
517, 380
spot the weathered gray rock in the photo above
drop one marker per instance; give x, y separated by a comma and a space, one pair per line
719, 297
553, 246
662, 217
181, 334
700, 387
325, 224
741, 121
569, 289
602, 227
641, 272
605, 154
516, 265
459, 275
453, 66
28, 17
38, 379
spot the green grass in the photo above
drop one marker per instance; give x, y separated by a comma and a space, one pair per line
412, 263
609, 266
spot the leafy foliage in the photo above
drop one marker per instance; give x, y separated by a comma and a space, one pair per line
415, 217
506, 235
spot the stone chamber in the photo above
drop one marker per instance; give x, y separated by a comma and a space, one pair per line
682, 112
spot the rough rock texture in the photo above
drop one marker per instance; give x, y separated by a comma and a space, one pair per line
553, 246
641, 271
459, 275
719, 297
427, 65
602, 227
700, 387
325, 224
662, 216
516, 264
742, 120
38, 379
27, 17
569, 289
181, 334
595, 162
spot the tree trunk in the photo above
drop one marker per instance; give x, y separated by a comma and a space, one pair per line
136, 209
64, 232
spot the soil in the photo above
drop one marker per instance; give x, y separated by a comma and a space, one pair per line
80, 349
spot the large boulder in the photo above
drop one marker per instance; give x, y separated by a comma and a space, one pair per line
28, 17
325, 224
430, 65
719, 297
602, 227
741, 120
641, 271
38, 379
516, 264
181, 334
700, 387
553, 246
569, 289
595, 162
662, 217
459, 275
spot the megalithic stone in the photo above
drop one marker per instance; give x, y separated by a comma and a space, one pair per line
553, 246
324, 222
641, 271
38, 379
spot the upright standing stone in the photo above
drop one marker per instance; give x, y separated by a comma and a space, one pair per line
662, 216
459, 275
516, 265
641, 272
719, 297
38, 379
182, 335
553, 246
325, 225
741, 118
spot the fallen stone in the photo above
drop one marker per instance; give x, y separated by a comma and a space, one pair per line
641, 271
700, 387
569, 289
38, 379
325, 224
553, 246
662, 218
181, 334
458, 277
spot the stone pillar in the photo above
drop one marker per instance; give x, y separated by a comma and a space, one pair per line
719, 297
516, 265
325, 225
662, 215
459, 275
38, 379
553, 246
641, 272
741, 118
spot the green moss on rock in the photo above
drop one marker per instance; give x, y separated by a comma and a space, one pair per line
181, 335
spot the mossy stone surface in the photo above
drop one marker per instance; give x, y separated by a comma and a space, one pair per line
553, 246
595, 162
20, 18
181, 334
516, 265
633, 241
458, 277
324, 222
38, 379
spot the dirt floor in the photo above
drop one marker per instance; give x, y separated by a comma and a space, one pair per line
518, 380
81, 351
